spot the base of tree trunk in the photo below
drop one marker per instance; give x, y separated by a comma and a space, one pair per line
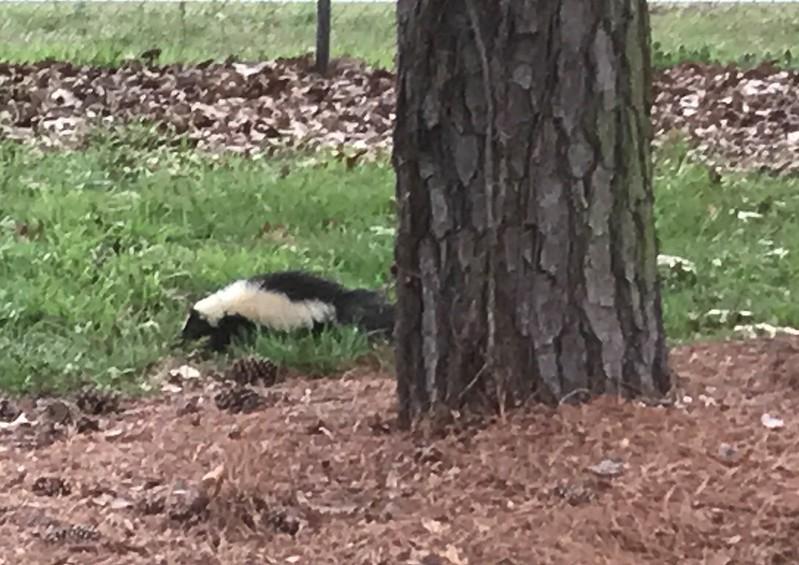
526, 250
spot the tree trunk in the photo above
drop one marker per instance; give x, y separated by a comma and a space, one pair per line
526, 250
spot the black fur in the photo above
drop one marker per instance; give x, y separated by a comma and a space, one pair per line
220, 336
367, 309
364, 308
299, 285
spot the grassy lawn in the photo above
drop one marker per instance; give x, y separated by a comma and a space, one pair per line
743, 262
130, 234
105, 33
727, 33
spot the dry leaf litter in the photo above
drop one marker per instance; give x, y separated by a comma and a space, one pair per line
738, 118
238, 107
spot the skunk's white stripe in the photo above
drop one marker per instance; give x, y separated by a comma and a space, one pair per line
267, 308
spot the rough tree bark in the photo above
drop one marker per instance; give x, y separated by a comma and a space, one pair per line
526, 250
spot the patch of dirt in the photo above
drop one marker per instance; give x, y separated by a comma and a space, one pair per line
738, 118
320, 475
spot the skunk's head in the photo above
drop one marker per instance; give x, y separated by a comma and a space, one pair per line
196, 326
206, 314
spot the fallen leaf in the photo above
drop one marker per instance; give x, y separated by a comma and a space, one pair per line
212, 480
113, 434
607, 468
21, 420
185, 372
453, 554
771, 422
433, 526
171, 388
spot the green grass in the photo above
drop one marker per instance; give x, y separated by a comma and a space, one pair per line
740, 262
131, 233
106, 33
741, 34
122, 236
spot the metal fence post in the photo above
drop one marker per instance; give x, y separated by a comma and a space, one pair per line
322, 35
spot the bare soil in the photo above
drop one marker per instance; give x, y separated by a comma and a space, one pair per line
318, 474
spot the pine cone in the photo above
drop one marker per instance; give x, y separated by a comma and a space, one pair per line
50, 486
8, 411
271, 513
238, 399
87, 425
151, 505
95, 401
283, 521
73, 534
249, 370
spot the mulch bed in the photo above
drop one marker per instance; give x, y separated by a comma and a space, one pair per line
317, 474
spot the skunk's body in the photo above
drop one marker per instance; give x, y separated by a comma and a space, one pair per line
284, 302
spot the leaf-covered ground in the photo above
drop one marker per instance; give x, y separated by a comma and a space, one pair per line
317, 473
232, 106
745, 119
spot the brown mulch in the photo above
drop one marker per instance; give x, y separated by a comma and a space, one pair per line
739, 118
319, 475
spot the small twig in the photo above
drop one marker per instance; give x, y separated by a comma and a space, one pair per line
575, 392
473, 382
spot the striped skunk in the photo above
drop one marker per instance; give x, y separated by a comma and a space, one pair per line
285, 301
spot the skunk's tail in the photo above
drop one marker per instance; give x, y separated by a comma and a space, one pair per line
369, 310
